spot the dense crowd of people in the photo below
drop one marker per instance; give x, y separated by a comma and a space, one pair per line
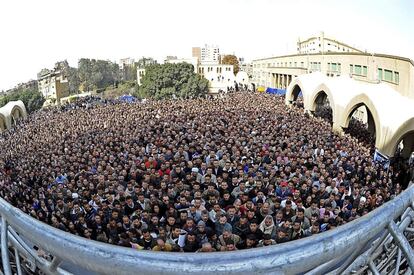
197, 175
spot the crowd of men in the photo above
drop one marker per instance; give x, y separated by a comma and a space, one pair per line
197, 175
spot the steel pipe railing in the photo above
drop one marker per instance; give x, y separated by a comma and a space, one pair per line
294, 257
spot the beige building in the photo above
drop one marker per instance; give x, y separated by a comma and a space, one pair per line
53, 84
196, 52
278, 72
321, 44
126, 62
220, 76
140, 74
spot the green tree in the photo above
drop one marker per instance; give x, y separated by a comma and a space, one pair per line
32, 98
97, 74
74, 81
145, 61
172, 80
231, 59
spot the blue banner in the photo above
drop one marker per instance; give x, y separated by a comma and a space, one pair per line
382, 159
275, 91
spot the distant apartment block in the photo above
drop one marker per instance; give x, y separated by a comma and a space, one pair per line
196, 52
53, 84
126, 62
322, 44
210, 55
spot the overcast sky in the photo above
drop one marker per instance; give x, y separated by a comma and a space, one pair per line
36, 34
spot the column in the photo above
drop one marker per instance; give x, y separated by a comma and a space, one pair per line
336, 128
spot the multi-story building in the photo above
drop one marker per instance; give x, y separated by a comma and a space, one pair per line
210, 55
30, 85
140, 74
196, 52
170, 58
278, 72
321, 44
248, 68
126, 62
53, 84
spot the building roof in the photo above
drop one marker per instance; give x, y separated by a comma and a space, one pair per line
332, 40
342, 53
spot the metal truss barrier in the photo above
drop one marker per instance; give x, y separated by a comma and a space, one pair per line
378, 243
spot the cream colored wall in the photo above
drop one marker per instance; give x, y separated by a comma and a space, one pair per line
6, 112
284, 65
392, 113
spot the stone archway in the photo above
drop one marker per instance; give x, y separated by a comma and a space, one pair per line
16, 114
321, 107
373, 122
296, 93
406, 144
3, 124
404, 135
361, 124
295, 96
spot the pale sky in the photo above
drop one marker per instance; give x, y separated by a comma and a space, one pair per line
36, 34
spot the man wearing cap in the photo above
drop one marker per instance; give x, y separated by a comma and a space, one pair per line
202, 232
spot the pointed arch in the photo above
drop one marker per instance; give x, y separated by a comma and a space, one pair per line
356, 102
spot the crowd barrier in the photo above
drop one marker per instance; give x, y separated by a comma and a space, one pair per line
377, 242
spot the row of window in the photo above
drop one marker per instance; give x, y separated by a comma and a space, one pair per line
315, 66
358, 70
388, 75
334, 67
354, 69
218, 69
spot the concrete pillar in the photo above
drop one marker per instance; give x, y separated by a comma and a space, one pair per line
371, 123
336, 128
408, 143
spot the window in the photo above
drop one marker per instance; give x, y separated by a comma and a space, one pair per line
302, 64
296, 64
379, 74
351, 69
358, 70
339, 67
290, 64
388, 75
364, 71
396, 78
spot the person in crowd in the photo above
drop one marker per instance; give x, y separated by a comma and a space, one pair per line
198, 175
